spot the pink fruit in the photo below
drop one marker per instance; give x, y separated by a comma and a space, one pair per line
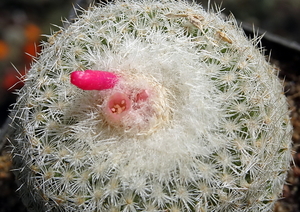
93, 80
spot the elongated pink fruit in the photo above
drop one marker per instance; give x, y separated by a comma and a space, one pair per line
93, 79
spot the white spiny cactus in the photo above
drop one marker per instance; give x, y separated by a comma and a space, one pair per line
202, 125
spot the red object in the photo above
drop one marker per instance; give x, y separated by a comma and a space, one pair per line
31, 50
93, 80
32, 32
4, 50
142, 96
12, 80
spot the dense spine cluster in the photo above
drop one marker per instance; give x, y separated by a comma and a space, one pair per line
201, 122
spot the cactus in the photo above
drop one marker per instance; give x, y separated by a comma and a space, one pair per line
187, 116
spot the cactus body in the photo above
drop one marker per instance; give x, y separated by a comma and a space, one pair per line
197, 120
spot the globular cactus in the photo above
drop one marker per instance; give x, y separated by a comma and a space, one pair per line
151, 106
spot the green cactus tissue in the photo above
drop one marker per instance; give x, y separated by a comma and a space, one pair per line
151, 106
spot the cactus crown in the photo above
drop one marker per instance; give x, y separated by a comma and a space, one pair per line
197, 120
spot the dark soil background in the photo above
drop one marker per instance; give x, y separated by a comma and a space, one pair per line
22, 22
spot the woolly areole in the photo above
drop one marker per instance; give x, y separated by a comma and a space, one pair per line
151, 106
